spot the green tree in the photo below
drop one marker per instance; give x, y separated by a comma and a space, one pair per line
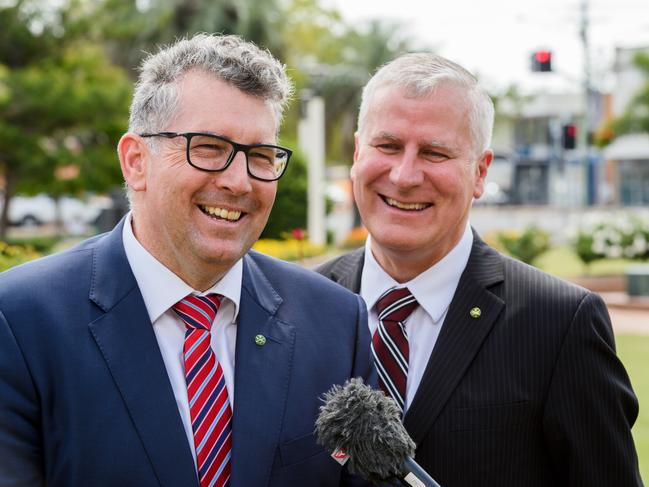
335, 60
636, 117
290, 208
131, 29
62, 105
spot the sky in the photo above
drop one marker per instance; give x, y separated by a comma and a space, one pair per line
495, 39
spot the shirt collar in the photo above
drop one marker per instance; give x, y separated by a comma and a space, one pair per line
161, 288
433, 289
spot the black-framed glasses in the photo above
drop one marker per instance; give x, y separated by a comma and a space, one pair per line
213, 153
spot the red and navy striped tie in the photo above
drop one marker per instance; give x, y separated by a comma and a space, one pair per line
390, 342
209, 407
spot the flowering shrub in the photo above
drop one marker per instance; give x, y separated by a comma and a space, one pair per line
612, 237
290, 249
524, 245
11, 255
355, 238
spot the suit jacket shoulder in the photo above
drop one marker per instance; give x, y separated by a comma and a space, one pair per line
346, 269
61, 284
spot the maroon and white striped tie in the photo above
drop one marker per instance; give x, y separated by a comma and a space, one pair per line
209, 406
390, 342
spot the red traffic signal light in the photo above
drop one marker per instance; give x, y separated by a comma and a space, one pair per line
542, 61
569, 139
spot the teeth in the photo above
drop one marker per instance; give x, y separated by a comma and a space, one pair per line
222, 213
406, 206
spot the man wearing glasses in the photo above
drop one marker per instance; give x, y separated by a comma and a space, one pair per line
163, 352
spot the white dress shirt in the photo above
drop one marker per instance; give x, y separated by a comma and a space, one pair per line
433, 289
161, 289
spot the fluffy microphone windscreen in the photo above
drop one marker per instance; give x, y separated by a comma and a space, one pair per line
365, 424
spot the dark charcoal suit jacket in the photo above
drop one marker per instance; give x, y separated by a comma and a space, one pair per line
531, 393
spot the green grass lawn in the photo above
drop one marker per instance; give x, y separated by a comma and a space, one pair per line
634, 353
563, 262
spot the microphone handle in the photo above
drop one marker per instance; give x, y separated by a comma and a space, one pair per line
416, 476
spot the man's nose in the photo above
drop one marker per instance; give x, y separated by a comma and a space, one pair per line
407, 172
235, 178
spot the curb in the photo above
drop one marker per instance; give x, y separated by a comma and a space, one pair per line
620, 300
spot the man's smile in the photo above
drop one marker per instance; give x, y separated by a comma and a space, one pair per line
221, 213
405, 206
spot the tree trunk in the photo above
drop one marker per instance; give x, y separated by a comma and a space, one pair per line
58, 215
10, 183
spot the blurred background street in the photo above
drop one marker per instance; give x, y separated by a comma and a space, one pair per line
568, 190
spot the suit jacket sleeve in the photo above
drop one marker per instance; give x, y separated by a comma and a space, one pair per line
591, 406
20, 451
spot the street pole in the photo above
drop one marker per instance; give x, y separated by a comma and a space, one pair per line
584, 133
311, 139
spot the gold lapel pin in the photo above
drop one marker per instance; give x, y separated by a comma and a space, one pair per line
260, 340
475, 313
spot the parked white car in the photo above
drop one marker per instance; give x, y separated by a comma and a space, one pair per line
76, 214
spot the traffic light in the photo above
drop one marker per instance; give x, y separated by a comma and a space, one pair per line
542, 61
569, 139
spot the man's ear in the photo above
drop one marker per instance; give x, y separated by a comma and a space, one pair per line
481, 168
357, 145
133, 158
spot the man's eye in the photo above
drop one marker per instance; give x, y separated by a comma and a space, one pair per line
431, 154
261, 156
387, 147
207, 148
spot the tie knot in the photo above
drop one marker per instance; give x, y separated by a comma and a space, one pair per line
198, 311
396, 305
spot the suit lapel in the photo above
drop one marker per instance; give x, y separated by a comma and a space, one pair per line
261, 379
125, 337
460, 338
348, 269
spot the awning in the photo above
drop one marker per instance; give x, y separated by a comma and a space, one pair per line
628, 147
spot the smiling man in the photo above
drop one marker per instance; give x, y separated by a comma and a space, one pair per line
507, 377
165, 353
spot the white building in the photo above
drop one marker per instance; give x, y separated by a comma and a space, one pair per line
627, 157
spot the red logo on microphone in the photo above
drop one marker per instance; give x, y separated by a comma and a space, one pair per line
340, 456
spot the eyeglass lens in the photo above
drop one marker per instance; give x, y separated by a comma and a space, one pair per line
212, 153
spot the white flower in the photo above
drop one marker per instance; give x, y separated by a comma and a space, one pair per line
629, 252
613, 235
614, 252
625, 224
598, 247
639, 244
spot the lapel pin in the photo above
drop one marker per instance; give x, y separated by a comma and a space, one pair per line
475, 313
260, 340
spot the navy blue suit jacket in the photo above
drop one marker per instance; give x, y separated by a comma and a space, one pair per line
85, 398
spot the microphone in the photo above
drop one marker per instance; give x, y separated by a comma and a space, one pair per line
362, 427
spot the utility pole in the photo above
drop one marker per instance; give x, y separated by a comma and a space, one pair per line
584, 135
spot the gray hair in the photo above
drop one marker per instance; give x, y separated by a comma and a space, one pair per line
420, 74
235, 61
